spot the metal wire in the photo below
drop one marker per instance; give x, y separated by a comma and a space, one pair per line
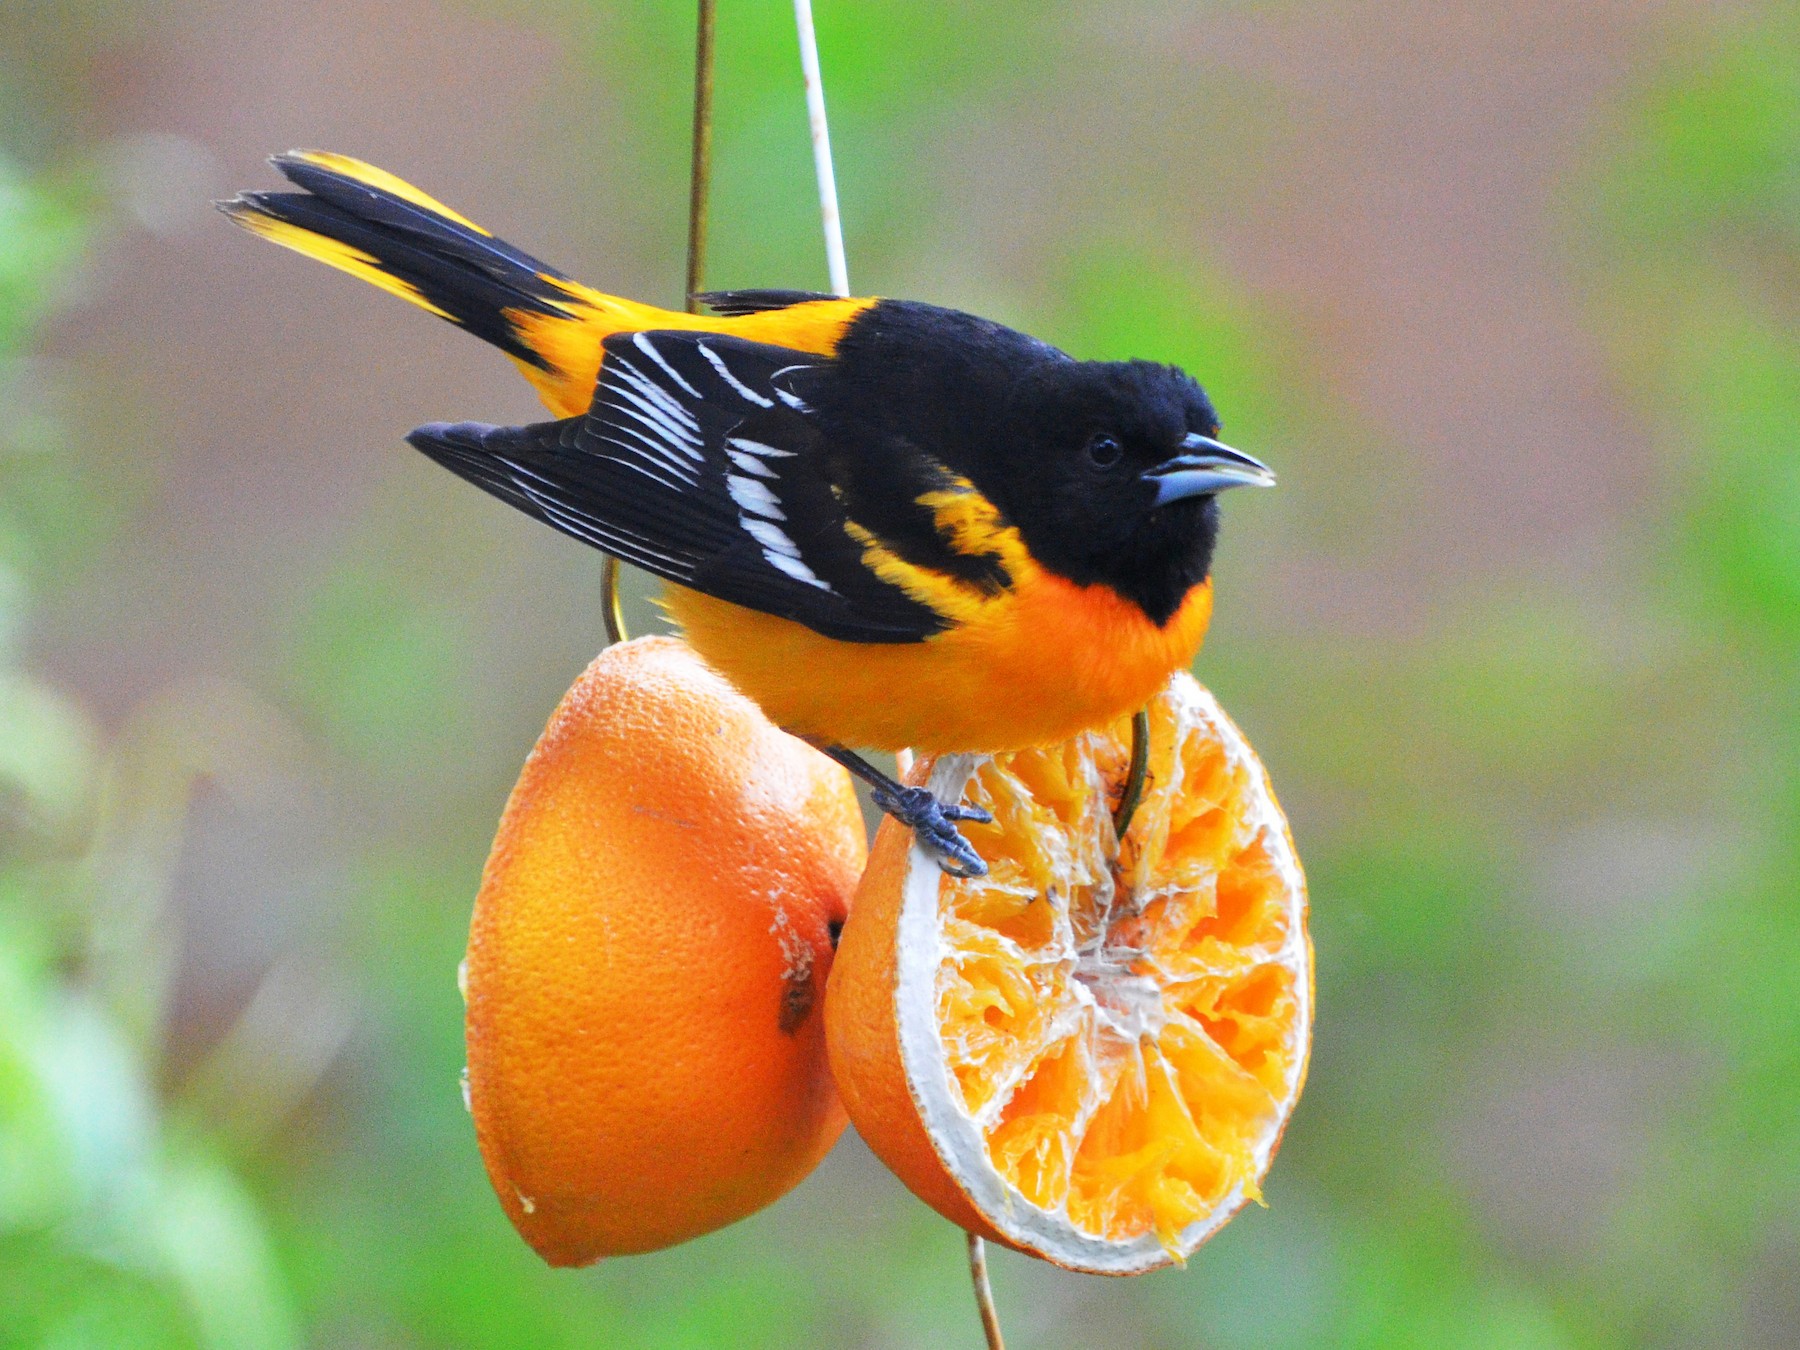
699, 187
700, 164
1134, 776
612, 610
984, 1293
821, 139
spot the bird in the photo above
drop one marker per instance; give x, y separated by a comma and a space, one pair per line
889, 523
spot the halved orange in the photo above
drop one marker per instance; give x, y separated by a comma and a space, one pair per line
1089, 1054
648, 949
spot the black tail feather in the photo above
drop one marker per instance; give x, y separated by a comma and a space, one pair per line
403, 240
443, 237
757, 301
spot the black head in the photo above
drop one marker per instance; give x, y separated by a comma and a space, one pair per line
1107, 468
1112, 475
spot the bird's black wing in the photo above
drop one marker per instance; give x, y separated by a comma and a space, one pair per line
755, 302
698, 460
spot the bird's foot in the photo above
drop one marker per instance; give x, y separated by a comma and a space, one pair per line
932, 822
933, 825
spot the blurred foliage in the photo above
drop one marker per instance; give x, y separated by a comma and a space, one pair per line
43, 236
220, 1197
121, 1222
1708, 327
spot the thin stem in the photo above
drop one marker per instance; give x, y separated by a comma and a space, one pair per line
700, 165
1134, 776
821, 141
984, 1293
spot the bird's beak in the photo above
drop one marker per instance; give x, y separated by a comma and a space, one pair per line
1206, 466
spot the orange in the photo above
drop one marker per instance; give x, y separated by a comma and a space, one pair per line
1089, 1054
647, 960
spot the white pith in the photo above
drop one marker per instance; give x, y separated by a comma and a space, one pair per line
1129, 1004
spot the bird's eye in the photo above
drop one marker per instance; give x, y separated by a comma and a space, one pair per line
1105, 451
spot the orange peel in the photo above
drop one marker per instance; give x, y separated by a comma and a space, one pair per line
1091, 1053
647, 955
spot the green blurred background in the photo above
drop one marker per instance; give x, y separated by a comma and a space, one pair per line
1509, 294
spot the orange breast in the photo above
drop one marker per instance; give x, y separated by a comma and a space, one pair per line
1043, 662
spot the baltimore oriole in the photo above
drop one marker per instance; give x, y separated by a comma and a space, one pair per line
889, 524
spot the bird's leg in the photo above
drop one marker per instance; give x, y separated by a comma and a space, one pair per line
931, 821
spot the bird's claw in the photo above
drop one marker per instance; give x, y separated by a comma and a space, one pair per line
931, 822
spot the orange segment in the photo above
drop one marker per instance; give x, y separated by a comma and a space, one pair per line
1090, 1053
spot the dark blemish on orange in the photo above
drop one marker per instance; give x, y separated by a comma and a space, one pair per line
796, 1003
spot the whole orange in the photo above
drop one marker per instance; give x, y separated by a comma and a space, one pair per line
647, 961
